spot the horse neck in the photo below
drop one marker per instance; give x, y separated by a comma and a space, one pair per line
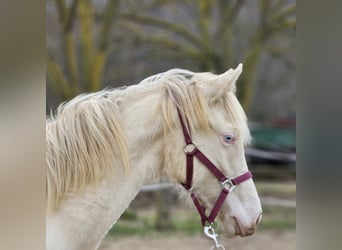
82, 221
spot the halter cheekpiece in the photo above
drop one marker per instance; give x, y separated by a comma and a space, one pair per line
228, 184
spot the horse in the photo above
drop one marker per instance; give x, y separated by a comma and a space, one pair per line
103, 147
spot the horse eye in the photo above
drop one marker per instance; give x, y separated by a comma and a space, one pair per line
229, 138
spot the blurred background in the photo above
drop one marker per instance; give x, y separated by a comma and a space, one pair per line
111, 43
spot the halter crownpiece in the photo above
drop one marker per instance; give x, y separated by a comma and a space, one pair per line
228, 184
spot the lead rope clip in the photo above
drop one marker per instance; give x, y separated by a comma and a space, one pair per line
210, 232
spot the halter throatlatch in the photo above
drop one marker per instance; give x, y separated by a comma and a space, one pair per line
228, 184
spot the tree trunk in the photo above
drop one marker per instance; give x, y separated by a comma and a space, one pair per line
163, 217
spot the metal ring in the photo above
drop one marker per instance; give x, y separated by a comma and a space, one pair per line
190, 149
231, 186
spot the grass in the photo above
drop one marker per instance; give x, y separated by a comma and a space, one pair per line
281, 190
277, 217
145, 225
141, 226
274, 217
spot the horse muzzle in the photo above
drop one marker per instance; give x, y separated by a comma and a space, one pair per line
243, 229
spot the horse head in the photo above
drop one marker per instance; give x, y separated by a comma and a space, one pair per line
217, 127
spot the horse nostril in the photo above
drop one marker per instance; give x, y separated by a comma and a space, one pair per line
242, 230
258, 219
237, 227
250, 231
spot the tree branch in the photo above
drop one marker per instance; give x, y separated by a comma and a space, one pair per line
69, 21
171, 27
100, 55
66, 19
175, 46
227, 17
280, 55
285, 12
289, 23
234, 11
87, 41
62, 12
58, 80
165, 42
204, 21
107, 17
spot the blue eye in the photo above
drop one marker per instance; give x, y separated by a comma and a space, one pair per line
229, 138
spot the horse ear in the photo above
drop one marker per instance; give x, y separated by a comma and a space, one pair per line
223, 83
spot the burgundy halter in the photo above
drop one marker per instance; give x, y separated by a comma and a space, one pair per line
228, 184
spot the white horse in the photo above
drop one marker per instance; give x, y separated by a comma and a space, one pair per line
102, 148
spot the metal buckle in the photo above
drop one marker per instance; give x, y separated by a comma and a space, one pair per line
210, 232
190, 148
228, 181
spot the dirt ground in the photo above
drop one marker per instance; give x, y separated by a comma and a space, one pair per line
270, 240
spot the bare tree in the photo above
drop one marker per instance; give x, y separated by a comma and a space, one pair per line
210, 45
84, 49
213, 34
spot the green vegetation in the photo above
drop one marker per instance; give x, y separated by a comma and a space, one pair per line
129, 215
274, 217
285, 190
141, 226
146, 225
277, 217
186, 220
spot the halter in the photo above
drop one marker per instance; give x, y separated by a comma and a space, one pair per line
228, 184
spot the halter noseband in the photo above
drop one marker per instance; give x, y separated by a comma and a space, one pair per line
228, 184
